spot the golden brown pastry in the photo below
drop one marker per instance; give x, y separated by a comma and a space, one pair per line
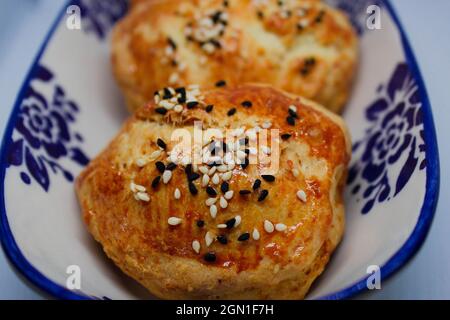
221, 227
301, 46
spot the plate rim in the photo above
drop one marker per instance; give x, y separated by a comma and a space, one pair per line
392, 265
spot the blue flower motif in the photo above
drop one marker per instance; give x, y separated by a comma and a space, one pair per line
393, 147
43, 132
99, 16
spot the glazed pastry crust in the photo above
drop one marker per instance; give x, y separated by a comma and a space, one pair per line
260, 43
279, 265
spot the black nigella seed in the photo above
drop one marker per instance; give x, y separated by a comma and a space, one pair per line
268, 177
181, 100
230, 223
188, 169
244, 237
167, 94
260, 15
247, 151
192, 188
181, 90
200, 223
225, 3
257, 184
243, 141
222, 239
224, 187
245, 164
192, 104
211, 191
263, 195
290, 120
216, 16
224, 147
231, 112
156, 181
209, 108
162, 111
221, 83
172, 43
161, 144
244, 192
193, 176
215, 43
171, 166
160, 166
286, 136
247, 104
293, 114
210, 257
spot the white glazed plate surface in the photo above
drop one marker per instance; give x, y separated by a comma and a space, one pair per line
69, 108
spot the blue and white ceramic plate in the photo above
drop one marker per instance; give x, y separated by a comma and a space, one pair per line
69, 108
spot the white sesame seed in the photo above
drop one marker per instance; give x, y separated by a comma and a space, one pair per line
205, 180
268, 226
185, 160
238, 221
222, 226
174, 157
143, 196
215, 179
266, 124
210, 201
178, 108
303, 23
140, 188
231, 165
174, 77
203, 170
223, 203
280, 227
166, 104
229, 194
209, 238
295, 172
301, 195
167, 175
222, 168
169, 51
177, 193
293, 108
141, 162
132, 187
209, 47
155, 154
182, 66
255, 234
212, 171
157, 99
241, 154
194, 87
266, 150
174, 221
196, 246
213, 211
227, 175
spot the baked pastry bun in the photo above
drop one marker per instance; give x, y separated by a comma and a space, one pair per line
217, 223
301, 46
